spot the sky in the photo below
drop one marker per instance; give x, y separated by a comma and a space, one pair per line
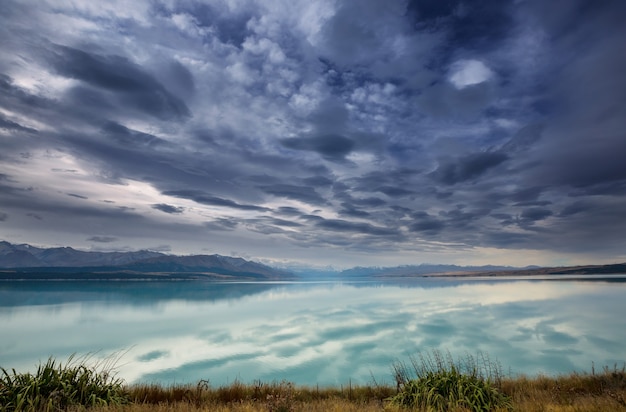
330, 132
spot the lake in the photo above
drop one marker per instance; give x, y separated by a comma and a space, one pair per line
326, 333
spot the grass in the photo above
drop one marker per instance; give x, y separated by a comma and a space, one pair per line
580, 392
437, 382
57, 386
459, 385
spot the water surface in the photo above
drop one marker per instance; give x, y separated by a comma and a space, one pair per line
311, 333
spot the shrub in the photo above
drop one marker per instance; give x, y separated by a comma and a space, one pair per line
441, 384
448, 390
56, 386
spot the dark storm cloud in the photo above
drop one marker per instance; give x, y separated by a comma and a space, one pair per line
385, 182
18, 98
77, 196
173, 210
427, 224
121, 155
585, 138
102, 239
206, 199
444, 101
368, 202
318, 181
180, 80
230, 28
523, 139
534, 214
589, 165
350, 211
477, 25
338, 225
288, 211
126, 152
332, 147
508, 239
124, 136
301, 193
468, 167
282, 222
225, 224
460, 218
394, 191
363, 126
527, 195
265, 229
9, 125
574, 208
3, 216
132, 85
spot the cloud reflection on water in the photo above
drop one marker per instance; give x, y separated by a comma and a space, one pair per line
325, 333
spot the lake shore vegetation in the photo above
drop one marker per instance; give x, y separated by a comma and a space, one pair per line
431, 382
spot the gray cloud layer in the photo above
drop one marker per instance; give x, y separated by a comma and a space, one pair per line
418, 130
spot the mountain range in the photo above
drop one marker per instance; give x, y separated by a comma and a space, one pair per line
420, 270
26, 261
29, 262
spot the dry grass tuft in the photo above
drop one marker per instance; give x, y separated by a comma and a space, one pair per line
605, 391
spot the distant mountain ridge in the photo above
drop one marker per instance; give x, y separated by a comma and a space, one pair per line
429, 270
27, 262
419, 270
19, 256
25, 258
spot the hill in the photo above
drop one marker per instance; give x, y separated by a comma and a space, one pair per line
612, 269
418, 270
29, 262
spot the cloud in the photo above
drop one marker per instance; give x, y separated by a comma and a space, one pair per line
102, 239
288, 211
574, 208
350, 211
163, 207
10, 125
468, 167
426, 224
319, 181
392, 191
222, 224
332, 147
283, 222
481, 25
534, 214
339, 225
464, 73
301, 193
203, 198
416, 131
77, 196
126, 137
131, 85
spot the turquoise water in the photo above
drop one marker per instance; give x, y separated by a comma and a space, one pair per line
311, 333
